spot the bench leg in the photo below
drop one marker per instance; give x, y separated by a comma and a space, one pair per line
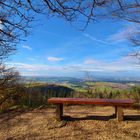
59, 112
119, 113
115, 111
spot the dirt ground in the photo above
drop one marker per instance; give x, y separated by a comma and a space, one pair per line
80, 123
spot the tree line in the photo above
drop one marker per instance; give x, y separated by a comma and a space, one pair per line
16, 17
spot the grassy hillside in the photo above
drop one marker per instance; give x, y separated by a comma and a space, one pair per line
36, 94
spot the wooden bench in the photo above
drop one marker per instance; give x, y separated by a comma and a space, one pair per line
117, 103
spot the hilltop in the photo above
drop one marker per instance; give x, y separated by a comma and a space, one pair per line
80, 123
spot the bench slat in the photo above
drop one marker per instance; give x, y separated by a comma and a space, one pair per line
108, 102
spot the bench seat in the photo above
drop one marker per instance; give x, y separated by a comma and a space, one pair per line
92, 101
117, 103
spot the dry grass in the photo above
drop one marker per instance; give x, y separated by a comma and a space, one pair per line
85, 123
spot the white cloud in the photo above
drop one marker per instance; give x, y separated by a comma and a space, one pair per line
127, 63
36, 69
29, 67
54, 59
27, 47
124, 34
124, 64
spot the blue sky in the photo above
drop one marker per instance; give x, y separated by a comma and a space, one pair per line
55, 48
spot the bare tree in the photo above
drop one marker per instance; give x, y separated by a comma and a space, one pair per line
10, 85
14, 23
92, 10
16, 16
89, 82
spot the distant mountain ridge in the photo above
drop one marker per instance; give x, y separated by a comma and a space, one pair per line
45, 79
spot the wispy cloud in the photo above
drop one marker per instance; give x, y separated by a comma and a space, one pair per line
28, 67
127, 63
54, 59
124, 34
95, 39
27, 47
124, 64
36, 69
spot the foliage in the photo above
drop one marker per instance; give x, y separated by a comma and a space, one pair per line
34, 95
37, 94
11, 88
135, 94
110, 90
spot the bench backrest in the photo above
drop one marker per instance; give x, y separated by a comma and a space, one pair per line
108, 102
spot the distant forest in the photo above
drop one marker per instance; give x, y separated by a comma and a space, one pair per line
33, 95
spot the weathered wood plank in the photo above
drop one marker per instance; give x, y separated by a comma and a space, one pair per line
107, 102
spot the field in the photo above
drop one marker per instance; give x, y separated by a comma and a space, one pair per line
80, 123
